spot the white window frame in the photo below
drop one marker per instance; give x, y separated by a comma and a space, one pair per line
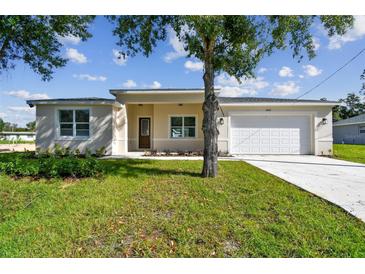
182, 116
362, 128
74, 137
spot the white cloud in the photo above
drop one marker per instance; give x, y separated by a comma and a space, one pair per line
89, 77
356, 33
284, 89
262, 70
19, 114
230, 87
129, 84
311, 70
178, 48
286, 72
26, 95
75, 56
194, 66
21, 109
118, 58
155, 85
301, 76
316, 43
69, 39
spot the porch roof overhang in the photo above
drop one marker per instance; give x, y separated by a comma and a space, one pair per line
159, 96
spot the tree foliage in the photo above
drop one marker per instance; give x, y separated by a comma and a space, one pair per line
31, 125
350, 106
34, 40
240, 42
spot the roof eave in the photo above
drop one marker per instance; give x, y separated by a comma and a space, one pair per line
33, 103
280, 104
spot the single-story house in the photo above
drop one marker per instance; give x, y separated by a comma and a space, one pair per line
171, 119
350, 131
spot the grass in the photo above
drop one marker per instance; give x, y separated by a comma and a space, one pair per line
9, 142
147, 208
353, 153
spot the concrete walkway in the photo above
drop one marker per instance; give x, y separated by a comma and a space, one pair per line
340, 182
16, 147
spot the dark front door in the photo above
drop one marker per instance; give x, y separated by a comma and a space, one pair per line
144, 132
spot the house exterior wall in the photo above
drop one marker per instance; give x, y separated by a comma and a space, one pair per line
116, 128
120, 131
101, 128
321, 134
348, 134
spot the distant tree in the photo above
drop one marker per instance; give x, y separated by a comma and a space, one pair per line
350, 106
362, 77
10, 126
2, 125
31, 126
231, 44
34, 40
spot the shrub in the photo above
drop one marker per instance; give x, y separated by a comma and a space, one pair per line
51, 167
100, 152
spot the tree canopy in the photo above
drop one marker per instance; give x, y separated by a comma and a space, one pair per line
35, 40
350, 106
238, 42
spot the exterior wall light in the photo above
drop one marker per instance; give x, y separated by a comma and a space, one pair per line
324, 121
221, 121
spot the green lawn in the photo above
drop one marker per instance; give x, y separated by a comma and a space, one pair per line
164, 209
353, 153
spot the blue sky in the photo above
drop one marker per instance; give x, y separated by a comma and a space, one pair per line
93, 69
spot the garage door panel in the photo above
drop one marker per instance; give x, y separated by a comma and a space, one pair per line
270, 135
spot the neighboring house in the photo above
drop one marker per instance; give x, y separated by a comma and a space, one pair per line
17, 136
350, 131
171, 119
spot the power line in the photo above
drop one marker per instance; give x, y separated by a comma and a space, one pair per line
330, 76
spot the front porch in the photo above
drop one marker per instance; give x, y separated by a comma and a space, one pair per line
174, 127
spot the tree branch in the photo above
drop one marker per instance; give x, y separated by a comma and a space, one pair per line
4, 47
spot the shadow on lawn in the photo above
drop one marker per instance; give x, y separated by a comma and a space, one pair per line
138, 168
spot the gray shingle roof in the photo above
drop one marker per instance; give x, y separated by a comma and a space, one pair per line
353, 120
228, 100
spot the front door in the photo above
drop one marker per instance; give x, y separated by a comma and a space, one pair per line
144, 132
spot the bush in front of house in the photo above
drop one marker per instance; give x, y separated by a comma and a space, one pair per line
51, 166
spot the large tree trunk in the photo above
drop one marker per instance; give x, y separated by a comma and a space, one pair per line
210, 110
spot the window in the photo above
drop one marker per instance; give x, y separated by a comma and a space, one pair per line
362, 130
74, 122
182, 127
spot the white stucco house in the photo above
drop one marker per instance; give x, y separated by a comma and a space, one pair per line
171, 119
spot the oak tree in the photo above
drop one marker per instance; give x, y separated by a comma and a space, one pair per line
35, 40
231, 44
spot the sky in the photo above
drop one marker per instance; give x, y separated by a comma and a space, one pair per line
93, 68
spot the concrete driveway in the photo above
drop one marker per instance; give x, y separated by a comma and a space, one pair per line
340, 182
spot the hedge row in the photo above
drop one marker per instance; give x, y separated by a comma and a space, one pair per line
52, 167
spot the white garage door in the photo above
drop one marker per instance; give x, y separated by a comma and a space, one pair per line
270, 135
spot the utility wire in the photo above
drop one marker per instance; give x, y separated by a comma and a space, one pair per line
330, 76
